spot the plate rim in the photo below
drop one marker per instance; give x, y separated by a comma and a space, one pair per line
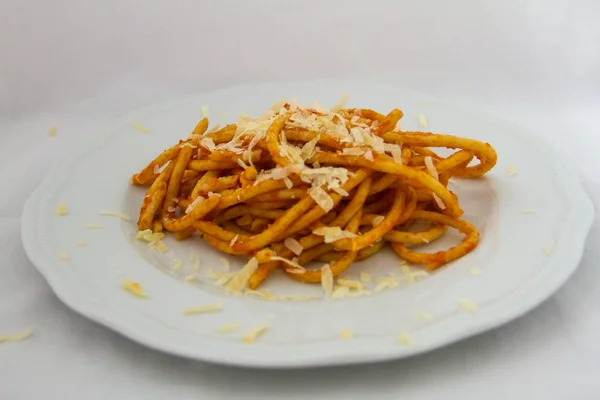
578, 226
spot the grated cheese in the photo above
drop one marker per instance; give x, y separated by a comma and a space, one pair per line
288, 182
153, 239
61, 209
369, 155
242, 164
321, 197
149, 236
333, 233
293, 245
409, 276
395, 150
63, 256
263, 294
140, 127
475, 271
340, 104
196, 266
422, 120
159, 246
119, 214
377, 220
133, 288
227, 328
439, 201
81, 243
529, 211
327, 280
276, 107
296, 268
213, 129
52, 131
351, 284
191, 277
301, 297
357, 135
511, 170
203, 309
340, 292
385, 283
176, 264
235, 238
309, 148
93, 226
431, 170
353, 151
16, 337
254, 333
468, 305
346, 334
208, 144
547, 250
404, 338
365, 277
204, 111
194, 204
423, 316
223, 279
225, 263
238, 283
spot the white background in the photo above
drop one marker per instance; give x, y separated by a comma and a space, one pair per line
77, 65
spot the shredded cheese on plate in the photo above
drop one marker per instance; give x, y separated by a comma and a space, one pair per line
468, 305
93, 226
365, 277
346, 334
238, 283
293, 245
227, 328
140, 127
205, 112
133, 288
529, 211
253, 334
176, 264
119, 214
333, 233
327, 280
16, 337
404, 338
61, 209
423, 316
203, 309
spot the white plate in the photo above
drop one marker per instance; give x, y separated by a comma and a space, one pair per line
517, 274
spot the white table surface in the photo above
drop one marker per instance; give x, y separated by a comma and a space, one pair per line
77, 65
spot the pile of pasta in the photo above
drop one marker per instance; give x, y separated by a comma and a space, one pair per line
305, 183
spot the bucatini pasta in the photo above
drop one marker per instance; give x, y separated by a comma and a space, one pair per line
303, 184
